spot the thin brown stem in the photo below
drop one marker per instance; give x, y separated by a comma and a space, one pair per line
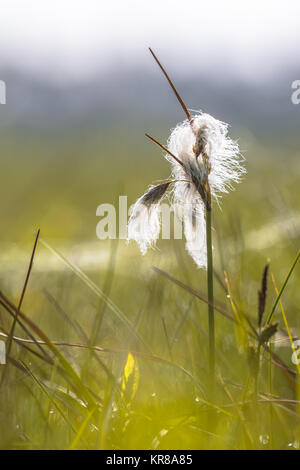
11, 333
165, 149
188, 114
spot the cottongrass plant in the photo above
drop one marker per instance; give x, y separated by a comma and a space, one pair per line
205, 163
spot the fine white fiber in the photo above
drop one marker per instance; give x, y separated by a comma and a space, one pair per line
207, 164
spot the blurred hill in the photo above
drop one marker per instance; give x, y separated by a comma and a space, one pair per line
66, 148
143, 98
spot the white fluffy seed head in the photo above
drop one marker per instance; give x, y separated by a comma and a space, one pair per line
144, 222
144, 225
207, 155
223, 153
222, 168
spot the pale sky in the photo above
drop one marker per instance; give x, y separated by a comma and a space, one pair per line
71, 39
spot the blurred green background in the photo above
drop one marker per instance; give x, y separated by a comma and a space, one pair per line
72, 138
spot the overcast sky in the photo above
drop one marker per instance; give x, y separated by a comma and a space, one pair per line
63, 39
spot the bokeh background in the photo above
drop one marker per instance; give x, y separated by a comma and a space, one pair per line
82, 89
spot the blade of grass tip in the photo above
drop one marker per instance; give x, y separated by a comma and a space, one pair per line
11, 332
188, 114
283, 287
165, 149
285, 320
119, 314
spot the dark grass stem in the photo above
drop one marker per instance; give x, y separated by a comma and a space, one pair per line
15, 319
283, 287
11, 333
210, 295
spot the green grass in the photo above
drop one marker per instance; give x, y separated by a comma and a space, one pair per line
123, 361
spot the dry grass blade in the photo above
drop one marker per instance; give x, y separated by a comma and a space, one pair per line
165, 149
188, 114
283, 287
9, 340
262, 295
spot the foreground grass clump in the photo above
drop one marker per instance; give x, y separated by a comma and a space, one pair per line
93, 375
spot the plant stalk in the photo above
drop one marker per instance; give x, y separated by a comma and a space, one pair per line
210, 295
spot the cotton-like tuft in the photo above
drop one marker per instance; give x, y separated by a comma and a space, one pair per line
207, 163
223, 153
144, 222
207, 154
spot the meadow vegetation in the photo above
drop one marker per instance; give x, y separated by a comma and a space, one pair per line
115, 355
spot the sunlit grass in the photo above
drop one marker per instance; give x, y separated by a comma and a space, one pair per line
122, 359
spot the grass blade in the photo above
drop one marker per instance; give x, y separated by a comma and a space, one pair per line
9, 340
285, 320
283, 287
119, 314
